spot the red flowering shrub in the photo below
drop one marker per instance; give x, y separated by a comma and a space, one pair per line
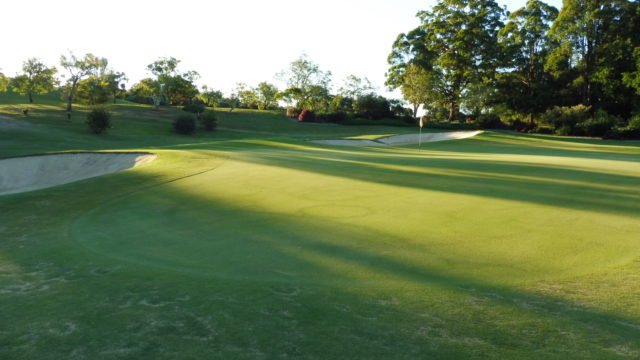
306, 116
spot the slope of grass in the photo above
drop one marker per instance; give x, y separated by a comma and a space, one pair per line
251, 243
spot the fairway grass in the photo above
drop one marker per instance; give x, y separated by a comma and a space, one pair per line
253, 243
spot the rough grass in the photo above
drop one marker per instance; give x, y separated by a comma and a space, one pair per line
252, 243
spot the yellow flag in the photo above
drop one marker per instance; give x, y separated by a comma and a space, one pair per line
421, 123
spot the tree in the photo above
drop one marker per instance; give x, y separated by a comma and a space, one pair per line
94, 89
36, 78
115, 83
143, 91
79, 69
462, 36
418, 86
267, 95
247, 96
596, 40
4, 82
354, 87
304, 78
456, 42
525, 87
179, 87
210, 97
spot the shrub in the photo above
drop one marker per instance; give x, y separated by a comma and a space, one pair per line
194, 108
599, 124
184, 124
522, 126
334, 117
628, 132
541, 130
306, 116
450, 125
209, 120
564, 119
490, 121
98, 120
408, 119
372, 107
292, 112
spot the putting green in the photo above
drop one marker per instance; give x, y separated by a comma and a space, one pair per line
293, 213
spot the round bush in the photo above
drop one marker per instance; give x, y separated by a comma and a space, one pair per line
184, 124
306, 116
98, 120
209, 120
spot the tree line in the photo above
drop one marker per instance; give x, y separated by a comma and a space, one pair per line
574, 71
90, 79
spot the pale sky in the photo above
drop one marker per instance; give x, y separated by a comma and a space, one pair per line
226, 42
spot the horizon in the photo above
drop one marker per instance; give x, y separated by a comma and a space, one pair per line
236, 47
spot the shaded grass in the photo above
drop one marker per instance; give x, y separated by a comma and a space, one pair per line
251, 243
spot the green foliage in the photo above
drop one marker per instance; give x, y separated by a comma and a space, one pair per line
372, 107
419, 86
632, 78
333, 117
194, 108
4, 82
526, 88
209, 120
176, 87
184, 124
564, 119
630, 131
36, 78
98, 120
143, 91
340, 103
266, 95
599, 124
596, 40
210, 97
354, 87
95, 90
490, 121
292, 112
448, 125
78, 69
308, 86
456, 44
247, 96
115, 83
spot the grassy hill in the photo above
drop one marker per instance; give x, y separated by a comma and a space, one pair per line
251, 242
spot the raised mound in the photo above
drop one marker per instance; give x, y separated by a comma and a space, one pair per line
398, 140
38, 172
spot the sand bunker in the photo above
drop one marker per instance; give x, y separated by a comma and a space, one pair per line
37, 172
398, 140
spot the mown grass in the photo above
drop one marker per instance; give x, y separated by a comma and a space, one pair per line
250, 242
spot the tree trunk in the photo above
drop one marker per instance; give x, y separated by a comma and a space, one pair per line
114, 97
30, 98
415, 110
452, 111
70, 98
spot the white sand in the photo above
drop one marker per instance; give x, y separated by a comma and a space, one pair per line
398, 140
37, 172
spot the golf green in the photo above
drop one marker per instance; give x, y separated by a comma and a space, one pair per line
252, 242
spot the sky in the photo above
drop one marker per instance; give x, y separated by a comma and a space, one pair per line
226, 42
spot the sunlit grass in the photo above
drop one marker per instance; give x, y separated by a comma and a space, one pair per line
250, 242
